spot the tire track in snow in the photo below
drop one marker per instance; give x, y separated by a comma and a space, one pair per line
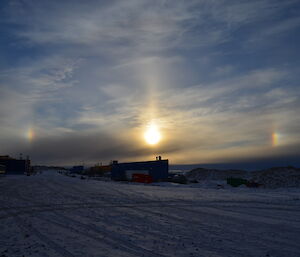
209, 251
31, 209
23, 225
119, 242
263, 212
254, 237
212, 229
110, 238
121, 193
187, 221
202, 247
248, 219
99, 238
162, 204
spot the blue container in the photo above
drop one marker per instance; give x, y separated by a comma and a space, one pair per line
158, 170
77, 169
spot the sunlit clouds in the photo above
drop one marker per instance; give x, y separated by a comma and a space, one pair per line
193, 81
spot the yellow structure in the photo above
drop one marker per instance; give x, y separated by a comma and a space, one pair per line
99, 170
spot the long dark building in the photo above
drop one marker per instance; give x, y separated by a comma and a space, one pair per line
158, 170
14, 166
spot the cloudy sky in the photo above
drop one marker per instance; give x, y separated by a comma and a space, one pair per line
81, 81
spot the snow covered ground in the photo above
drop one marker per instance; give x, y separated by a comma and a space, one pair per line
55, 215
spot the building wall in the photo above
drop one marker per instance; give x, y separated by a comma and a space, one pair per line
158, 170
13, 166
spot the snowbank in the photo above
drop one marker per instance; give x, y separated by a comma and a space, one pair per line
269, 178
214, 174
278, 177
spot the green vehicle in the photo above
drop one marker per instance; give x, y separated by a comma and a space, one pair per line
235, 182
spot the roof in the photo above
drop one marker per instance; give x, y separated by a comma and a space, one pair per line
140, 162
6, 157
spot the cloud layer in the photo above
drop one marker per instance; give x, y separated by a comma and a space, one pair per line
80, 81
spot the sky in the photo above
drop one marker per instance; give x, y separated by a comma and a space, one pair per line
81, 81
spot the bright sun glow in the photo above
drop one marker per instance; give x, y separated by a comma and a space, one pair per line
152, 135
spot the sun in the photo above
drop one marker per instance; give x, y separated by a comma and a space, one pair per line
152, 135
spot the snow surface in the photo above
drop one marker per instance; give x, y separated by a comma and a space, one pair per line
55, 215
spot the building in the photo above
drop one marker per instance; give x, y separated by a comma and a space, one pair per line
2, 169
99, 170
77, 169
158, 170
14, 166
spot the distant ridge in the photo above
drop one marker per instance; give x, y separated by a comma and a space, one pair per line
250, 165
275, 177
